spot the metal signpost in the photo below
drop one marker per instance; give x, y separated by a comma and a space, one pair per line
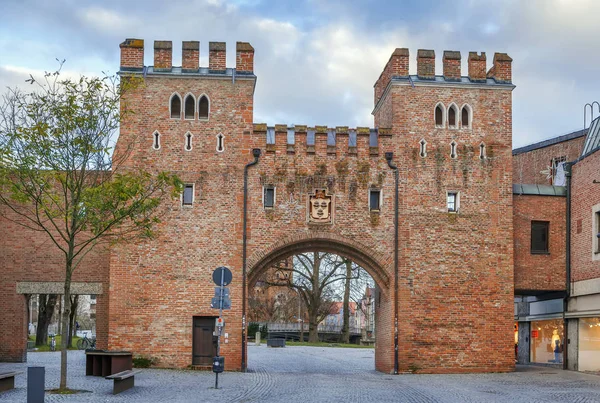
222, 277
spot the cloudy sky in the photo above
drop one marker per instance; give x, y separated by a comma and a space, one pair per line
317, 60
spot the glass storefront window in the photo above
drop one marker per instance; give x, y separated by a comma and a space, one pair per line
547, 341
589, 344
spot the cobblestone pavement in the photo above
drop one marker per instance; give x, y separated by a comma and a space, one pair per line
311, 374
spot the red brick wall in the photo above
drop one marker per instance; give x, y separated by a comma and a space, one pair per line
586, 194
446, 298
535, 271
27, 255
527, 167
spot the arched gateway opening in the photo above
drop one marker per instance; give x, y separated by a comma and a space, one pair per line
374, 264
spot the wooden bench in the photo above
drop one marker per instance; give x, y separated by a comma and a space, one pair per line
123, 380
7, 380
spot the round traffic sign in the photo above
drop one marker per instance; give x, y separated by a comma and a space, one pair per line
222, 274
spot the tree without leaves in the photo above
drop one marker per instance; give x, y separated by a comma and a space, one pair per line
57, 175
46, 307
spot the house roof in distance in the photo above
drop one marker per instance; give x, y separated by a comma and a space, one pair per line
550, 142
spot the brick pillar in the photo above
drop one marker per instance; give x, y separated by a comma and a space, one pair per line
477, 66
217, 56
132, 54
244, 60
190, 55
501, 71
163, 55
451, 62
426, 64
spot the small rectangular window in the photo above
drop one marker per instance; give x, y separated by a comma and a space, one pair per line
539, 236
452, 202
597, 232
188, 195
374, 199
93, 296
269, 197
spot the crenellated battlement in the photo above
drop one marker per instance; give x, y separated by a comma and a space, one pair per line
132, 58
398, 65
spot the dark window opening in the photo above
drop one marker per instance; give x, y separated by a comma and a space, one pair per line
188, 142
439, 116
452, 117
156, 142
452, 202
190, 107
597, 233
188, 195
423, 148
481, 151
374, 199
453, 150
269, 197
220, 143
539, 236
465, 117
203, 108
176, 107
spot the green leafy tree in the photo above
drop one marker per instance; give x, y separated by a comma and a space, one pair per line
58, 174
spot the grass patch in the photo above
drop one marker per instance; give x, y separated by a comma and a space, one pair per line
67, 391
58, 340
325, 344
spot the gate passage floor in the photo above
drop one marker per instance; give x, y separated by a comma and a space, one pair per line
311, 374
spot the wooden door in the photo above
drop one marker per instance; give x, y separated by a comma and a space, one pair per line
203, 349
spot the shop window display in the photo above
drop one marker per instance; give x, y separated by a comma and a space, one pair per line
589, 344
547, 341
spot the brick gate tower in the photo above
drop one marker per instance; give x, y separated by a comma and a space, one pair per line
450, 291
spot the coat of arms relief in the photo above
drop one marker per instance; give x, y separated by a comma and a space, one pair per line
320, 207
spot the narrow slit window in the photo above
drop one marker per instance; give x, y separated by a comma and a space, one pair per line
539, 237
373, 139
352, 138
270, 135
188, 142
423, 148
453, 149
190, 107
156, 140
452, 117
269, 197
175, 107
452, 202
188, 195
220, 143
439, 116
203, 107
374, 200
331, 137
465, 118
482, 151
310, 138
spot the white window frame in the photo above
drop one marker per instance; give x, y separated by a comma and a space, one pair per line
274, 196
380, 200
423, 148
193, 194
189, 94
171, 103
157, 142
185, 137
456, 116
470, 112
198, 105
456, 201
443, 125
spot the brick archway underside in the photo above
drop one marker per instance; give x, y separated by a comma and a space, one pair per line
360, 254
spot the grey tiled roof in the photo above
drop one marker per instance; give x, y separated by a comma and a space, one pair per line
550, 142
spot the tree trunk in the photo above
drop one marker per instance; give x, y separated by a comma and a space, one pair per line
313, 310
46, 306
60, 315
29, 318
65, 330
73, 318
346, 325
301, 323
